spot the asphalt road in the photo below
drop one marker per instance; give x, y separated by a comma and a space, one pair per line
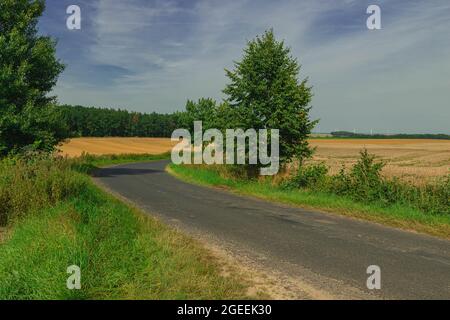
334, 250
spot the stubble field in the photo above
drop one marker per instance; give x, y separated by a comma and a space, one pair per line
101, 146
413, 160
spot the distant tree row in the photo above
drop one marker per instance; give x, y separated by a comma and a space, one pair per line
99, 122
347, 134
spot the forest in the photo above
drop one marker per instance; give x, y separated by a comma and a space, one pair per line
98, 122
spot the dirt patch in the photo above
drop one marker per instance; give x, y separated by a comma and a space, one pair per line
265, 283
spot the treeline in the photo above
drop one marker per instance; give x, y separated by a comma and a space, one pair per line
347, 134
98, 122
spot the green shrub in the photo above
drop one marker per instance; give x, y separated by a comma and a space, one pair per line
365, 183
308, 176
340, 184
365, 178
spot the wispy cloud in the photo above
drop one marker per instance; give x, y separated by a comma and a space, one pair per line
153, 55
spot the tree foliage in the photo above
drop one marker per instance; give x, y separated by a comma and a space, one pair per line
205, 110
28, 72
213, 115
100, 122
265, 93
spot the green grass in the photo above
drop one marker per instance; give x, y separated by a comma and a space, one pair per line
122, 252
394, 215
87, 162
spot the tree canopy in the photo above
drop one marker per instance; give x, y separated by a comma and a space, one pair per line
265, 93
101, 122
28, 72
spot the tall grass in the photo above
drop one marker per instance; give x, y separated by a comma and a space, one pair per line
56, 217
30, 184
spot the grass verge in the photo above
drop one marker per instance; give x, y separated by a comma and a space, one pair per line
400, 216
122, 253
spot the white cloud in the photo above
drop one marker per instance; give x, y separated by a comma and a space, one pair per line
377, 79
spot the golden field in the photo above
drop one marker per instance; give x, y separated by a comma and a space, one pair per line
99, 146
414, 160
410, 159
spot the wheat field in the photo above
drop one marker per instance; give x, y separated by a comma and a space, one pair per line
409, 159
413, 160
101, 146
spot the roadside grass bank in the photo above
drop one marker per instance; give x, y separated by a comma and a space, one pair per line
54, 216
89, 162
396, 214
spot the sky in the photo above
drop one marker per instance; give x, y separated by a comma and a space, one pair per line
146, 55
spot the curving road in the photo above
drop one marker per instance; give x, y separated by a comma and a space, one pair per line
330, 252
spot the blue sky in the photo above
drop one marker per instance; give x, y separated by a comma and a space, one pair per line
154, 55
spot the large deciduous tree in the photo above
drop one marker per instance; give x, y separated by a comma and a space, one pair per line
266, 93
28, 72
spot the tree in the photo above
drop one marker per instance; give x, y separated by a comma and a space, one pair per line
204, 110
265, 93
28, 72
101, 122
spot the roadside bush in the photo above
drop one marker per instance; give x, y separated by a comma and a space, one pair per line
365, 183
340, 184
430, 198
308, 176
365, 178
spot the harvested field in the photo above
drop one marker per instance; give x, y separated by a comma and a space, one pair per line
100, 146
412, 160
